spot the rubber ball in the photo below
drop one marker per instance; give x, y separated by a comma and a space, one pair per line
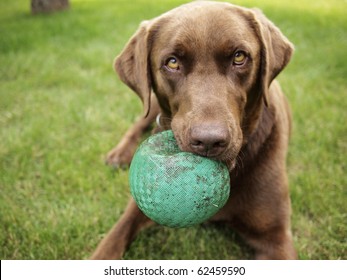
175, 188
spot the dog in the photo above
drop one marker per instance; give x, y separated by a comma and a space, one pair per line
209, 69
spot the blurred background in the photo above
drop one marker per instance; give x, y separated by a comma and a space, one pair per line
62, 108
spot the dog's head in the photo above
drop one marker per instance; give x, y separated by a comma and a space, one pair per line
210, 65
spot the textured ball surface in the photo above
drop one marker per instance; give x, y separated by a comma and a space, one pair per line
175, 188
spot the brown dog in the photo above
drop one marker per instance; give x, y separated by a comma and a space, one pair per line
212, 68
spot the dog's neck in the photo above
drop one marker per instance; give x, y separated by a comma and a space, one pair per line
259, 141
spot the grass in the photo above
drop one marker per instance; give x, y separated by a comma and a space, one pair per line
62, 108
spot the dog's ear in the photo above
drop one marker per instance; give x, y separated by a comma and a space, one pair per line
276, 51
132, 65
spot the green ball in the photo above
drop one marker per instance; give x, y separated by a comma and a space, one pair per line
175, 188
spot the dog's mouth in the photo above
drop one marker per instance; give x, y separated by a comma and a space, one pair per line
217, 152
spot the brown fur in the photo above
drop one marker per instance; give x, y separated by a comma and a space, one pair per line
216, 108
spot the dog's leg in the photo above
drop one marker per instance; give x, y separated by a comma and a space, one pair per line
275, 244
260, 212
266, 223
120, 236
272, 242
123, 153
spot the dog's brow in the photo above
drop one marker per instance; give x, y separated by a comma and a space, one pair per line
180, 49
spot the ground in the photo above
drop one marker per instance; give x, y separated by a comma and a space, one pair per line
62, 108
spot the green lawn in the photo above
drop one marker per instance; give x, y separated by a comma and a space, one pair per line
62, 108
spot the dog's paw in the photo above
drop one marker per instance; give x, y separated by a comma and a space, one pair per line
120, 157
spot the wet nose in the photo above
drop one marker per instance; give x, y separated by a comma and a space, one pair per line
209, 139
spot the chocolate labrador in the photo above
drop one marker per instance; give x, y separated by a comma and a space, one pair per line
211, 67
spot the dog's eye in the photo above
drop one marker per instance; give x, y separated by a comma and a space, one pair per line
239, 58
172, 64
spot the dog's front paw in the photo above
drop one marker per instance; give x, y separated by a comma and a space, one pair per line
120, 156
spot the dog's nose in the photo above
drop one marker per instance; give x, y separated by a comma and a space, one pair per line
209, 140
